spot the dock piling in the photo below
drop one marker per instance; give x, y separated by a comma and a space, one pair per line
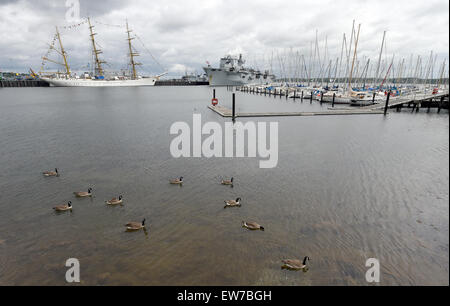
440, 104
387, 103
334, 98
234, 107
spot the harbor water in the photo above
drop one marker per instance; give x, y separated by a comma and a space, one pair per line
346, 189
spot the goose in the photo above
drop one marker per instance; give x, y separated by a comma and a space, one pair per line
232, 203
135, 226
115, 201
51, 173
83, 194
65, 207
253, 226
177, 181
228, 183
295, 264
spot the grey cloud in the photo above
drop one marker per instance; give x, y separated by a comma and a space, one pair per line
186, 33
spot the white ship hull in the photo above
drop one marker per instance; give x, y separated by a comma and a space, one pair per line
100, 83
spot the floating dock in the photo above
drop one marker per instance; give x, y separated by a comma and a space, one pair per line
228, 113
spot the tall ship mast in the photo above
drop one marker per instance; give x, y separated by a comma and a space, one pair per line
61, 52
132, 55
96, 51
99, 78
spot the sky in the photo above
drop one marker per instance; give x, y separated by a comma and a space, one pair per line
182, 35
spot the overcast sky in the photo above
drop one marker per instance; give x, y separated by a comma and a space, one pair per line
184, 34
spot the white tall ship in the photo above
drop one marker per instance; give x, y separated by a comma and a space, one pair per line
232, 72
99, 79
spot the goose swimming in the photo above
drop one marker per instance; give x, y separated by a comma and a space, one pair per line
177, 181
232, 203
135, 226
228, 183
65, 207
115, 201
295, 264
83, 194
51, 173
253, 226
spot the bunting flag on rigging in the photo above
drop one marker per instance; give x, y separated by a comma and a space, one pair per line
51, 47
73, 26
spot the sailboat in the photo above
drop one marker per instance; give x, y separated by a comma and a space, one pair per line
99, 79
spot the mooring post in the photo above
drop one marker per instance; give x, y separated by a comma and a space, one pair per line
295, 94
373, 98
440, 104
387, 103
334, 98
234, 106
214, 93
302, 95
321, 97
311, 97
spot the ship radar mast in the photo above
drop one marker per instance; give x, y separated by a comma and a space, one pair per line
132, 54
96, 51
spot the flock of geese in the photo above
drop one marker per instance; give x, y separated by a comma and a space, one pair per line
289, 264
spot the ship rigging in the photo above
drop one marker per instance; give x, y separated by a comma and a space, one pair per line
99, 77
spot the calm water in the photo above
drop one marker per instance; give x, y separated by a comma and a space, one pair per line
346, 189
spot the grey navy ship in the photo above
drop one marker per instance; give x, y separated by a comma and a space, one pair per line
233, 73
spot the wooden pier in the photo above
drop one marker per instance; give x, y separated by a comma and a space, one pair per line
415, 100
439, 101
23, 83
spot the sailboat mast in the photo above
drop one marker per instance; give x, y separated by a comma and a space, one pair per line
63, 52
340, 60
98, 62
442, 75
354, 58
377, 73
